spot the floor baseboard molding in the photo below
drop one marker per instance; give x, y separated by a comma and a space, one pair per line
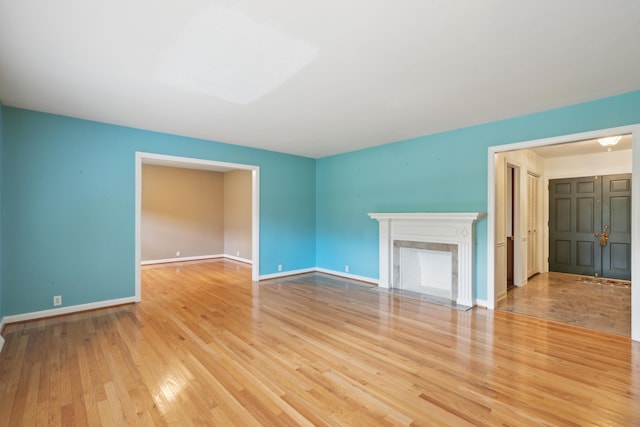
319, 270
239, 259
195, 258
67, 310
2, 323
182, 258
286, 273
347, 275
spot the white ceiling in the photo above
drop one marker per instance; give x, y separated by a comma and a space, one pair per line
313, 78
590, 146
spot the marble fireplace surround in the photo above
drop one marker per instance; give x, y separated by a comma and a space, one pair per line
446, 231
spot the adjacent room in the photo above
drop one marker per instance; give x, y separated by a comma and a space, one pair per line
591, 288
189, 213
319, 213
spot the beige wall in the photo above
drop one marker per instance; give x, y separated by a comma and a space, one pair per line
182, 210
195, 212
237, 213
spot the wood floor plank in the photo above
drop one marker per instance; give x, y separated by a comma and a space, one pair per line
207, 346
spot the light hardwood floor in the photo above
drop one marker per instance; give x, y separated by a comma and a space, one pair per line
206, 346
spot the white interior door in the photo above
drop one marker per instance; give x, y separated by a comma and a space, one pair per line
532, 224
501, 227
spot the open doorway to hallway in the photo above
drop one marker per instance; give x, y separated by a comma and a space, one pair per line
570, 161
588, 279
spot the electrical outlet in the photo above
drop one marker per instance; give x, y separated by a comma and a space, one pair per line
237, 253
177, 253
57, 300
279, 267
346, 268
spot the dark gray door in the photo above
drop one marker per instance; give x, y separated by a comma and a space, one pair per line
616, 218
590, 226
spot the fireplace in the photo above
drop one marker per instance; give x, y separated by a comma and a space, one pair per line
427, 268
428, 253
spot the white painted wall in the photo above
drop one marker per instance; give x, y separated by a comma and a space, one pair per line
606, 163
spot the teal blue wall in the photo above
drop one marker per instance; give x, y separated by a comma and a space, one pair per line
442, 173
69, 207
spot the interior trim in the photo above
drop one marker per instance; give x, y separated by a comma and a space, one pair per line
67, 310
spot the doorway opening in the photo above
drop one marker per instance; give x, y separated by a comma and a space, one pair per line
496, 269
201, 164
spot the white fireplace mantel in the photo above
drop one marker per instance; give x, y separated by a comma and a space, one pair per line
455, 228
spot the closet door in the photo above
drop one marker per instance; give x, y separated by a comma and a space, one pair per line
532, 225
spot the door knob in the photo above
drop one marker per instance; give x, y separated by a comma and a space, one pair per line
603, 239
604, 236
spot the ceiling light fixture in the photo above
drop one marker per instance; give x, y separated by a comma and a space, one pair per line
609, 140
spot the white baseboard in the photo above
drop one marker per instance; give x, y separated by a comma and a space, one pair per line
286, 273
195, 258
67, 310
183, 258
318, 270
237, 258
2, 322
482, 303
347, 275
501, 296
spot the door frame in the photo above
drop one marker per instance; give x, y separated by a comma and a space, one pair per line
540, 228
518, 170
195, 163
634, 130
514, 210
